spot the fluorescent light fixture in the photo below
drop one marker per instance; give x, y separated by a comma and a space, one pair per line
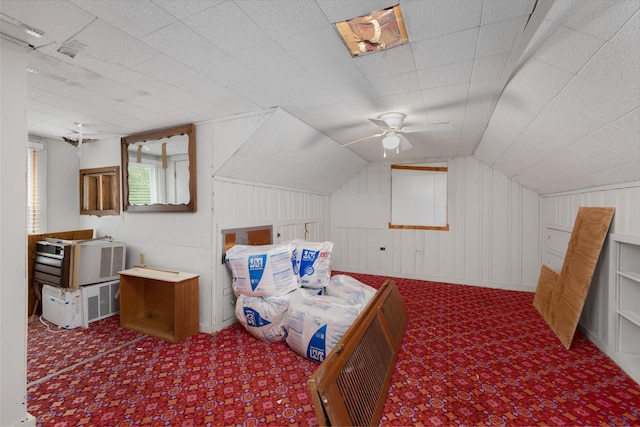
382, 29
391, 141
45, 74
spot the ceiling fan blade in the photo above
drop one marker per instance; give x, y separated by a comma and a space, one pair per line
404, 143
380, 123
363, 139
428, 127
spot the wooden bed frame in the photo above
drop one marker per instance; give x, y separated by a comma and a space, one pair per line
350, 386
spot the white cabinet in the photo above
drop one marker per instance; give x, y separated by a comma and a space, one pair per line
626, 303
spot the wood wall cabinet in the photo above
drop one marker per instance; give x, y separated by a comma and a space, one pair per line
626, 303
161, 303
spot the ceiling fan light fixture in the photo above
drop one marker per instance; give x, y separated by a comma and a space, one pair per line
391, 141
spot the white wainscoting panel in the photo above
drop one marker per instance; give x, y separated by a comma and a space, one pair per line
493, 238
293, 214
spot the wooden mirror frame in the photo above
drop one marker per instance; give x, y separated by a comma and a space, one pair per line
189, 130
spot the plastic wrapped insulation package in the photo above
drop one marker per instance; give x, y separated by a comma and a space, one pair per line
350, 290
266, 270
264, 317
316, 323
313, 260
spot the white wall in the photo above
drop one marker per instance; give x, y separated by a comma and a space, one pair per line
173, 240
13, 236
63, 194
493, 238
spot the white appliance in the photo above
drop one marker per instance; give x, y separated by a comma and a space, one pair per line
62, 307
100, 301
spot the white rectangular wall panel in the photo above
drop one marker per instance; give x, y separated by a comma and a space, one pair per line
493, 237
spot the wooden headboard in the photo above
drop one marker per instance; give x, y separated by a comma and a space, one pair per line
350, 386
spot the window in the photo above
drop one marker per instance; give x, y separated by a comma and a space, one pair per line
419, 196
146, 184
36, 188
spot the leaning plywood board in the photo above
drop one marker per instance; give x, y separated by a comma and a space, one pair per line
560, 297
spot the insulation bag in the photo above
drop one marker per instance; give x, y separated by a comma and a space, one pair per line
350, 290
266, 270
313, 261
315, 324
264, 317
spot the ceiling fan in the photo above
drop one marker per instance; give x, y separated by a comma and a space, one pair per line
392, 131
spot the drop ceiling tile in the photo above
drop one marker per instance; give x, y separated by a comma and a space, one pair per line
624, 80
566, 48
143, 83
535, 85
630, 122
113, 45
595, 17
385, 63
225, 70
285, 18
220, 24
45, 15
167, 70
349, 92
489, 67
491, 147
629, 34
499, 37
448, 49
183, 44
595, 102
517, 158
184, 8
426, 20
135, 18
337, 73
219, 95
445, 75
402, 83
445, 97
340, 10
187, 101
316, 47
267, 60
624, 143
503, 10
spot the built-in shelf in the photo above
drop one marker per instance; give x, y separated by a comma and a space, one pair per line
629, 275
631, 316
625, 303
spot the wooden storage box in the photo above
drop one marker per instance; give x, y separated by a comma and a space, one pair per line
161, 303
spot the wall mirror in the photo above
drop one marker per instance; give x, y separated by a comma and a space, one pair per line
100, 191
159, 170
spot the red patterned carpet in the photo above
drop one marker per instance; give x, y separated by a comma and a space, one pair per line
470, 356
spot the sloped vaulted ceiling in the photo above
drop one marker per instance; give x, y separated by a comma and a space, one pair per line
555, 110
286, 152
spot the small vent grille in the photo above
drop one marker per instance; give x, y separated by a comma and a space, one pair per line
105, 262
118, 260
92, 308
360, 381
104, 300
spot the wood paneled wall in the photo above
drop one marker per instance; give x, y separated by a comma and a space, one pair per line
493, 238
